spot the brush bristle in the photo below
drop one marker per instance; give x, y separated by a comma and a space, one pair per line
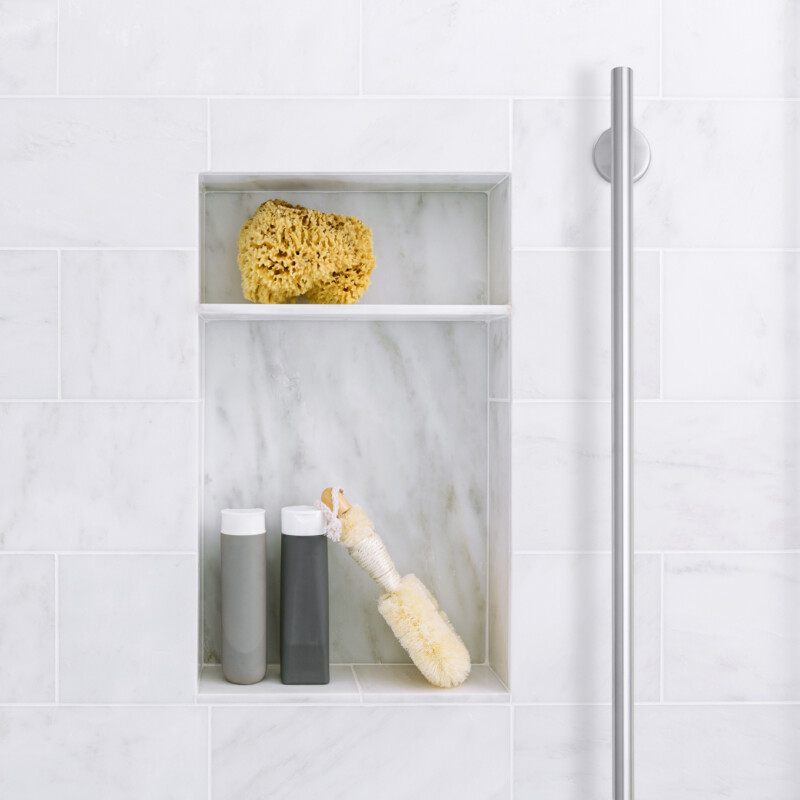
425, 633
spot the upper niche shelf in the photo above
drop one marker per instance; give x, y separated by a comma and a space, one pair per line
370, 313
441, 243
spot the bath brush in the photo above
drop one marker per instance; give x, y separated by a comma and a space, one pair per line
421, 627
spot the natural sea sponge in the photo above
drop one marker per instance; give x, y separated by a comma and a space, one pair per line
287, 251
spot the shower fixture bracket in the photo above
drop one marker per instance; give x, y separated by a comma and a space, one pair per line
640, 154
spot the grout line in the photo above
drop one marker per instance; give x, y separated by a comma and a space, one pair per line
343, 704
661, 637
543, 400
56, 632
411, 703
599, 249
58, 324
301, 704
661, 324
659, 552
564, 552
639, 401
726, 703
676, 703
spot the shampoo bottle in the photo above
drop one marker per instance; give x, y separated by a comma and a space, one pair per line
305, 647
243, 553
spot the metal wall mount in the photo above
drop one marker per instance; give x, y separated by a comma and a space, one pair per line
640, 155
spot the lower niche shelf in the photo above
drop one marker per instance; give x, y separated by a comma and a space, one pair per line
354, 684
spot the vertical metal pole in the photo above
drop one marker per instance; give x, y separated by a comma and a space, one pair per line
621, 256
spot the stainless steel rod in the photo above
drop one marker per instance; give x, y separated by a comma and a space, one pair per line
622, 277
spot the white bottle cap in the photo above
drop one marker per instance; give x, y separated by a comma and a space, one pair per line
243, 521
302, 521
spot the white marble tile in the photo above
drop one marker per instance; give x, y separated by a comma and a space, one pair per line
214, 689
559, 199
28, 46
500, 243
359, 135
430, 247
740, 752
690, 196
730, 326
28, 325
732, 627
500, 360
562, 325
101, 172
129, 325
747, 51
83, 753
127, 629
27, 629
361, 753
563, 752
704, 479
403, 683
561, 476
98, 476
499, 543
561, 628
731, 752
181, 47
516, 47
402, 428
717, 476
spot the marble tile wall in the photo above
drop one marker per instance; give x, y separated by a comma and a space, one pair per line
108, 114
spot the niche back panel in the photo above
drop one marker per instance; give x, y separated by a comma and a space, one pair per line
396, 413
411, 231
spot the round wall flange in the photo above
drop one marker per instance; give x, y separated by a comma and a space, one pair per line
640, 154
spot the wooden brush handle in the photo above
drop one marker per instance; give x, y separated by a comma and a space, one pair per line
327, 498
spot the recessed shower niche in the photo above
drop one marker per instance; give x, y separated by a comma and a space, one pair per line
402, 399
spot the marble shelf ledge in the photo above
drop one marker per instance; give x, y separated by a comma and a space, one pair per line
381, 684
370, 313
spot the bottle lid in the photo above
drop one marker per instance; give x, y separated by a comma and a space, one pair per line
243, 521
302, 521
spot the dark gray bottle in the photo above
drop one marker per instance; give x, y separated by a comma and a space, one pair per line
243, 568
305, 638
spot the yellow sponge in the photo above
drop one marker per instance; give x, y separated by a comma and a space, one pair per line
287, 251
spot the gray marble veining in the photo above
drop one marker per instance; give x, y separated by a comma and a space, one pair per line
396, 414
430, 247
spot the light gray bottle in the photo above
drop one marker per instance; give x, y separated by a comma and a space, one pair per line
305, 638
243, 550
